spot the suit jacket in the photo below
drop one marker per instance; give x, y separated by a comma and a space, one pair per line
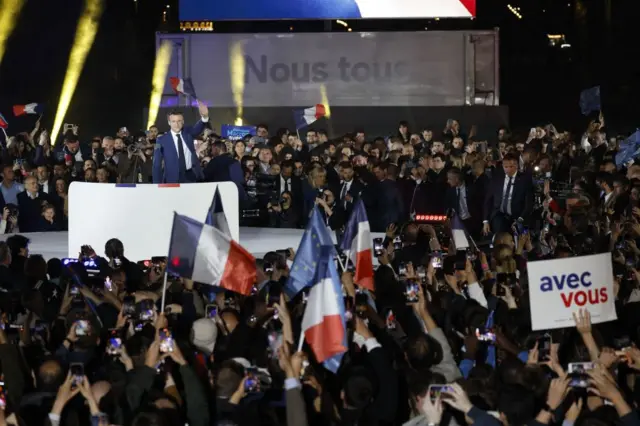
521, 198
355, 190
165, 151
30, 211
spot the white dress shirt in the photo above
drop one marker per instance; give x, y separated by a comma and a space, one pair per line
187, 153
45, 187
283, 184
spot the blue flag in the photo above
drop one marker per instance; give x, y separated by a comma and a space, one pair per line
590, 100
629, 149
216, 216
316, 240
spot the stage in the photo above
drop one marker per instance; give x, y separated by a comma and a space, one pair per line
257, 241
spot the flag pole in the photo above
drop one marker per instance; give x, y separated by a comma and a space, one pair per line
300, 342
164, 290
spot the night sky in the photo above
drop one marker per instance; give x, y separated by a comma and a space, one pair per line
539, 82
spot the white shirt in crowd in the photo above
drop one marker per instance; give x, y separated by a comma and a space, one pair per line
187, 153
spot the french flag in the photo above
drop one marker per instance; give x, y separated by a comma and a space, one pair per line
4, 124
305, 117
324, 323
183, 86
216, 216
32, 108
204, 254
459, 233
356, 244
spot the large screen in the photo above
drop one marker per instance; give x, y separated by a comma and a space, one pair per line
243, 10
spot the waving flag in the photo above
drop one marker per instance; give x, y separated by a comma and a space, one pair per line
206, 255
303, 270
216, 216
356, 244
324, 324
629, 150
590, 100
183, 86
32, 108
4, 124
459, 233
307, 116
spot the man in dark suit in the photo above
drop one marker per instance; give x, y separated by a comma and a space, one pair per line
288, 182
30, 203
349, 188
177, 151
461, 197
223, 168
389, 201
509, 198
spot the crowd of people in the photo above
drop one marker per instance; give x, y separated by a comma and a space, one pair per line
85, 341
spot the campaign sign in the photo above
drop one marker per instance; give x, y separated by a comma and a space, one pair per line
235, 133
560, 287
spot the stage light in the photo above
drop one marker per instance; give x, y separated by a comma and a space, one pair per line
85, 35
160, 70
9, 13
237, 70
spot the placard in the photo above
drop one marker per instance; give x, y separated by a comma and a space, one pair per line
236, 133
560, 287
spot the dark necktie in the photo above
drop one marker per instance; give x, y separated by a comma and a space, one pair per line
182, 163
505, 197
286, 185
344, 191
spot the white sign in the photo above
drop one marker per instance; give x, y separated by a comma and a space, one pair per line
560, 287
141, 216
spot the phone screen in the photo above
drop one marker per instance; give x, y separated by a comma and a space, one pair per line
166, 341
82, 328
436, 391
77, 371
114, 345
251, 383
436, 260
485, 335
129, 306
378, 247
412, 290
3, 396
211, 311
544, 347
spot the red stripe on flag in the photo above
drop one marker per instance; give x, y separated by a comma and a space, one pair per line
364, 269
320, 112
18, 110
168, 185
326, 338
240, 270
470, 5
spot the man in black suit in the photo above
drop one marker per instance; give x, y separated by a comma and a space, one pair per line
461, 197
349, 189
509, 198
30, 203
389, 200
288, 182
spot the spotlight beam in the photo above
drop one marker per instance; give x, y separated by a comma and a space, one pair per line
9, 13
85, 36
160, 70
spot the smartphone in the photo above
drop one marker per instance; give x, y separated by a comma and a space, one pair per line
621, 343
361, 298
82, 328
390, 321
114, 344
402, 269
166, 341
579, 367
397, 243
211, 311
378, 247
251, 383
485, 334
3, 396
108, 285
411, 292
544, 347
273, 296
145, 310
73, 291
460, 263
436, 260
500, 290
436, 391
129, 306
77, 371
284, 252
